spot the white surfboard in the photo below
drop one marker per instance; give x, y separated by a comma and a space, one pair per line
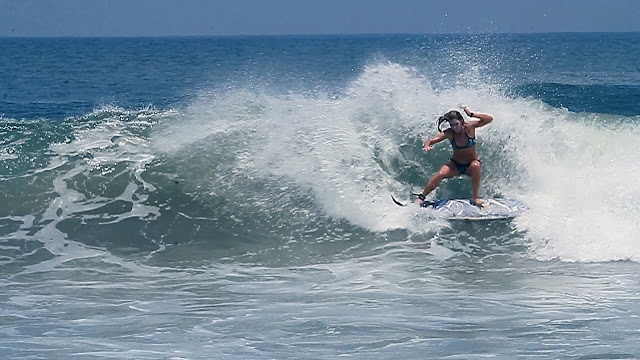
463, 209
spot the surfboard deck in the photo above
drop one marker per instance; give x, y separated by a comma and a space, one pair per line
463, 209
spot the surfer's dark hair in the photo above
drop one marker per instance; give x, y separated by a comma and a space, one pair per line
453, 114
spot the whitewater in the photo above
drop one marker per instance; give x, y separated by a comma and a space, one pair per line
247, 212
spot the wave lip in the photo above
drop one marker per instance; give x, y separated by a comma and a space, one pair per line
593, 98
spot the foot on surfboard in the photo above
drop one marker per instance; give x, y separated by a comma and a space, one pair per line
477, 202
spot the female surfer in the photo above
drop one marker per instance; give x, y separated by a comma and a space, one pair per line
464, 160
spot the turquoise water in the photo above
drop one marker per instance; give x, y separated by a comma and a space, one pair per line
196, 198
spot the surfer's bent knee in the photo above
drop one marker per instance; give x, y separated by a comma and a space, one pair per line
476, 165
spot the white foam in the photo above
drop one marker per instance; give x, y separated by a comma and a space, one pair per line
582, 191
575, 171
116, 140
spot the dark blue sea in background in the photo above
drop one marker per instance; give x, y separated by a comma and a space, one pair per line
229, 197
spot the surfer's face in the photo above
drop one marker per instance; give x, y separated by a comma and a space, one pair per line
456, 125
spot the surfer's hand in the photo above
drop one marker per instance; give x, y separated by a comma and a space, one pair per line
466, 110
427, 147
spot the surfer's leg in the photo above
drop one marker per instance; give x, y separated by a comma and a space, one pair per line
475, 171
446, 171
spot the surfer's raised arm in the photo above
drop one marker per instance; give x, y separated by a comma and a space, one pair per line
484, 118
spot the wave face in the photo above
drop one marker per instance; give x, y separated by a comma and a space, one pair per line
240, 162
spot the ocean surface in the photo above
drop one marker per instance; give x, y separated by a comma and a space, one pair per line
230, 198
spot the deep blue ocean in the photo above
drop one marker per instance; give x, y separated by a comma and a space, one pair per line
229, 197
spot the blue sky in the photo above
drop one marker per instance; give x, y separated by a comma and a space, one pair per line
275, 17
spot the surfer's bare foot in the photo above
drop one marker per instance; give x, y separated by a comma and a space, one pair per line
477, 202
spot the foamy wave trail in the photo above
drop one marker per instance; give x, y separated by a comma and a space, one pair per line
244, 174
343, 156
579, 187
71, 180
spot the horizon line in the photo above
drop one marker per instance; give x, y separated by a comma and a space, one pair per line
299, 35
